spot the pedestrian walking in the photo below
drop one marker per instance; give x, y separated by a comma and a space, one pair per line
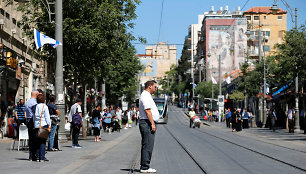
54, 113
234, 119
291, 115
41, 121
228, 114
75, 119
149, 115
97, 122
137, 116
191, 114
125, 119
245, 119
273, 118
30, 112
119, 116
239, 120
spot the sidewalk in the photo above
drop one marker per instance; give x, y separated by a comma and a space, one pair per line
280, 137
107, 156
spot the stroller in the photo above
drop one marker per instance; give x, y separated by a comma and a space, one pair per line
115, 125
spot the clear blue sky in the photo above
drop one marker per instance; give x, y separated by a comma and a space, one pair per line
179, 14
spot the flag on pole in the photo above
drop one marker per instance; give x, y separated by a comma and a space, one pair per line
41, 39
214, 80
194, 86
228, 80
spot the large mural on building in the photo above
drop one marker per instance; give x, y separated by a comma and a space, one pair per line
229, 42
149, 67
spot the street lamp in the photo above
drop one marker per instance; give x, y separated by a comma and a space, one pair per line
274, 10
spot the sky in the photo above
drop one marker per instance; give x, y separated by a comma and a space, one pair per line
179, 14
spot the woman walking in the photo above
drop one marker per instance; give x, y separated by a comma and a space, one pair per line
234, 120
97, 122
41, 121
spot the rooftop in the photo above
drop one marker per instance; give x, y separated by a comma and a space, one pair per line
264, 10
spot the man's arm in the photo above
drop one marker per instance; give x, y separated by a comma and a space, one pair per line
150, 117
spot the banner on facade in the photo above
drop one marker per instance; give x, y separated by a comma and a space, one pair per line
18, 73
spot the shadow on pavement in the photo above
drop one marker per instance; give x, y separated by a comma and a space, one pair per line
22, 159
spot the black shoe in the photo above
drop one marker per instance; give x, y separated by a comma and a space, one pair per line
45, 160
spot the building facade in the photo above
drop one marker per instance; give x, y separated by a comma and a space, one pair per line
222, 36
157, 60
20, 71
271, 25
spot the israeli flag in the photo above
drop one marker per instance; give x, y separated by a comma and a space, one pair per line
41, 39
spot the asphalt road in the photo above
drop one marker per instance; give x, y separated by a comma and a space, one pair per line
178, 149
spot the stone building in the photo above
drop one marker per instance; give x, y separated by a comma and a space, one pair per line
222, 36
20, 72
157, 60
271, 25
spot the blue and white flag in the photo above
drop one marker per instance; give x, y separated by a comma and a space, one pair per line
41, 39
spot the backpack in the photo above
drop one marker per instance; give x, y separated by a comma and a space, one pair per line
77, 120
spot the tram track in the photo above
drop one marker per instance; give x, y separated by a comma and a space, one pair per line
249, 149
192, 156
135, 161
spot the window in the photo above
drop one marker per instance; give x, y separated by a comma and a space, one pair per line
248, 17
256, 17
267, 48
280, 17
2, 11
267, 33
14, 21
7, 15
265, 17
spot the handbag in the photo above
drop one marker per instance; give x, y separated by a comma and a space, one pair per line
42, 132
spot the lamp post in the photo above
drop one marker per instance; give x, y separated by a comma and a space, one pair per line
274, 10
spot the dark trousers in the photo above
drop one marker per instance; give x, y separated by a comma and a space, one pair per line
245, 123
75, 136
40, 146
31, 133
147, 143
228, 121
273, 123
291, 125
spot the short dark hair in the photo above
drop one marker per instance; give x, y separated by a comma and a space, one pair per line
149, 83
41, 98
78, 100
40, 91
99, 104
52, 98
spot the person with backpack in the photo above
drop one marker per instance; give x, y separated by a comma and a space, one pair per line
97, 122
125, 119
75, 119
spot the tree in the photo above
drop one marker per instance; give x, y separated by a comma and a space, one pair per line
205, 90
97, 43
290, 59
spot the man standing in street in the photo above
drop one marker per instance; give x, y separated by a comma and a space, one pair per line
148, 115
75, 131
30, 111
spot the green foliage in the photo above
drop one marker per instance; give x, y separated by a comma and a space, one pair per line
96, 41
237, 96
205, 90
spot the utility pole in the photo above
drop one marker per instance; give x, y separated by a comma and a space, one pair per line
259, 59
192, 72
104, 95
220, 90
265, 83
59, 77
297, 113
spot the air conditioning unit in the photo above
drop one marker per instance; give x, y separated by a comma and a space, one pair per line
1, 21
14, 31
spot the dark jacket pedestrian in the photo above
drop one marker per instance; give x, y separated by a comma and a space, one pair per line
234, 120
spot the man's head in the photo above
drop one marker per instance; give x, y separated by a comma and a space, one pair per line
52, 98
21, 101
151, 86
79, 101
98, 107
34, 94
40, 91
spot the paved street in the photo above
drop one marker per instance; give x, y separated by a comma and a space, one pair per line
178, 149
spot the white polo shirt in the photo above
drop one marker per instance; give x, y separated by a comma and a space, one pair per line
146, 102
